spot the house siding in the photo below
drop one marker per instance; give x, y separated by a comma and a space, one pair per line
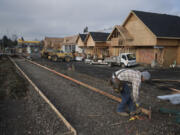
170, 55
80, 43
89, 51
168, 42
145, 55
140, 33
114, 51
178, 55
90, 41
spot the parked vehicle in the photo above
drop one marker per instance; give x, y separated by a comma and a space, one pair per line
45, 52
56, 55
123, 60
79, 56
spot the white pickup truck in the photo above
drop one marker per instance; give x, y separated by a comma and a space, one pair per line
123, 60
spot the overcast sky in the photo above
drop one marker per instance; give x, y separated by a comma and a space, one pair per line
35, 19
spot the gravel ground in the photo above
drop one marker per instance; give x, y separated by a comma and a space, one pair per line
94, 114
148, 93
30, 116
27, 115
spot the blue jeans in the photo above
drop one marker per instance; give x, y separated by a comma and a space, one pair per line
126, 100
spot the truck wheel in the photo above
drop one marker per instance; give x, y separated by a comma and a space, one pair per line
110, 65
54, 58
49, 57
67, 59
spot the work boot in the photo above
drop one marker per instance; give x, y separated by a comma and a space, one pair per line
136, 112
125, 114
133, 113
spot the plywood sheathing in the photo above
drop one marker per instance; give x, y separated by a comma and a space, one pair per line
145, 55
80, 43
81, 40
178, 55
116, 50
167, 42
142, 36
170, 55
90, 41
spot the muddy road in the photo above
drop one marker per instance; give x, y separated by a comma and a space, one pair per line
94, 114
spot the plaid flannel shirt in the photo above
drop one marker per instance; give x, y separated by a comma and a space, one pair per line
132, 76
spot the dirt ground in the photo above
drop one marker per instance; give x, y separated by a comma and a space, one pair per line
102, 110
22, 110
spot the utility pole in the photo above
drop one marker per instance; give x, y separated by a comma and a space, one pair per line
3, 45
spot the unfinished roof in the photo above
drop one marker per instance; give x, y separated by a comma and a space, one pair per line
124, 32
99, 36
162, 25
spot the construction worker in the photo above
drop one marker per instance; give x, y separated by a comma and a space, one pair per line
119, 82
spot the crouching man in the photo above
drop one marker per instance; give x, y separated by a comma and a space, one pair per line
119, 82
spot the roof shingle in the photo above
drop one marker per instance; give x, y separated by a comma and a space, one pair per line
162, 25
83, 37
99, 36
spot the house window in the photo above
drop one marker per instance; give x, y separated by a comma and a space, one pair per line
73, 48
66, 48
124, 57
69, 48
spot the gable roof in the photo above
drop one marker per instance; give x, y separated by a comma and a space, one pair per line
98, 36
83, 36
162, 25
123, 31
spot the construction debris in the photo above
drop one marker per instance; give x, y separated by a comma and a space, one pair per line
174, 99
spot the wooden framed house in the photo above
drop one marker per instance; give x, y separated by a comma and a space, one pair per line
70, 45
80, 41
96, 44
119, 41
154, 36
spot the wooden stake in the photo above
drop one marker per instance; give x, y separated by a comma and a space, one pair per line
175, 90
165, 80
